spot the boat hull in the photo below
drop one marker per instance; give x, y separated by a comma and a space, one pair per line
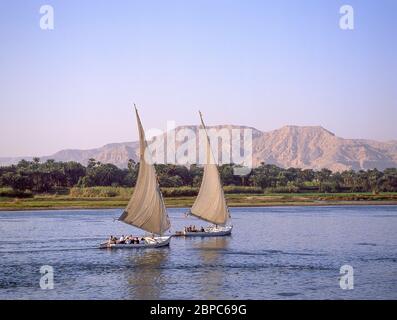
156, 242
215, 232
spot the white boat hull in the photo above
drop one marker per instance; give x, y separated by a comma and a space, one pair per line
212, 232
155, 242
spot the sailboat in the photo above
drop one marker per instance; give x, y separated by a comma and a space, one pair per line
210, 204
146, 209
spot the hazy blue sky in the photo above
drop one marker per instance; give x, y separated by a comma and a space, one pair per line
260, 63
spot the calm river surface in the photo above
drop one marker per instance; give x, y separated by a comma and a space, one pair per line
273, 253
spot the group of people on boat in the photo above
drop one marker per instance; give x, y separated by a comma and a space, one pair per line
192, 228
125, 240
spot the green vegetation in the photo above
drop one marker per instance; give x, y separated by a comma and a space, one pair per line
56, 177
32, 184
126, 192
101, 192
242, 200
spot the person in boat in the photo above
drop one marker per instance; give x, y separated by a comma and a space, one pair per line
202, 229
121, 240
111, 240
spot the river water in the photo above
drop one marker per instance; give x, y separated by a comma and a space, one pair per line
273, 253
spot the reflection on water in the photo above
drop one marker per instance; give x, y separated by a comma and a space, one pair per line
145, 277
211, 250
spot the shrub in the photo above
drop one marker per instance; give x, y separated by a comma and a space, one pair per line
242, 189
179, 192
283, 189
10, 193
100, 192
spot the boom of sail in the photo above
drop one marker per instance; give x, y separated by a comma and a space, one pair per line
146, 209
210, 204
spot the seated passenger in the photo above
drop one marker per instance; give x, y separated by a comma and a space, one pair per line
111, 240
122, 240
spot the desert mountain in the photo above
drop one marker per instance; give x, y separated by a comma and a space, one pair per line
290, 146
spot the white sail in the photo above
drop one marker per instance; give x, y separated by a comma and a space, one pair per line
146, 209
210, 204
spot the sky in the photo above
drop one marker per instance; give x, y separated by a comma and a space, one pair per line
260, 63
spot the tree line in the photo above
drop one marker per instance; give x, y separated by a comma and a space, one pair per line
48, 176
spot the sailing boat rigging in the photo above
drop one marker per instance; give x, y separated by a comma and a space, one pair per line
210, 204
146, 209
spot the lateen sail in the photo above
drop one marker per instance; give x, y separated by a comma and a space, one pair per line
210, 204
146, 209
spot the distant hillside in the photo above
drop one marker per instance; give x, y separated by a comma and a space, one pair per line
289, 146
316, 148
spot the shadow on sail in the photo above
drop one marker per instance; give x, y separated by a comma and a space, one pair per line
145, 277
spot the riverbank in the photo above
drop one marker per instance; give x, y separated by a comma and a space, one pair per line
42, 202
